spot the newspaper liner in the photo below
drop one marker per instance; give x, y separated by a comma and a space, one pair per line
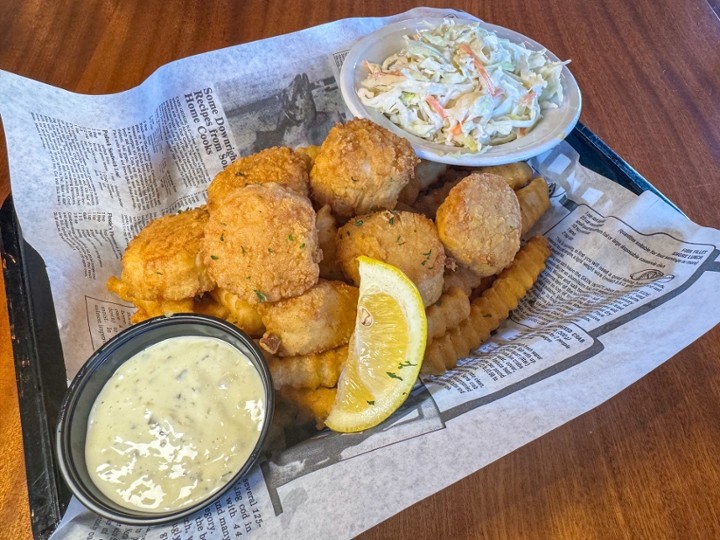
624, 290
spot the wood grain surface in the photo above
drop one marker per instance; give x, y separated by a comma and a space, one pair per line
643, 465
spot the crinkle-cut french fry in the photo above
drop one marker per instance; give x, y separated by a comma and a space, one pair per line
490, 309
534, 202
516, 174
450, 310
310, 404
241, 313
308, 371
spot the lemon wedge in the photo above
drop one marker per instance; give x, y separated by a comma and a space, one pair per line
385, 351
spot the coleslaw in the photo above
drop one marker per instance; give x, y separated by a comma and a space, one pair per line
462, 85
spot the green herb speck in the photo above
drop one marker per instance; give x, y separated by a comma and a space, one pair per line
393, 375
261, 295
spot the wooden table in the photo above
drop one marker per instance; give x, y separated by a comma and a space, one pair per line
644, 465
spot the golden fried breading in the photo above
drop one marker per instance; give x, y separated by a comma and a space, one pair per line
241, 313
403, 239
321, 318
261, 243
534, 201
162, 262
327, 239
278, 164
490, 309
308, 371
361, 167
479, 223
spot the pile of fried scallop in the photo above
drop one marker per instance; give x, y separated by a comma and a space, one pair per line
274, 252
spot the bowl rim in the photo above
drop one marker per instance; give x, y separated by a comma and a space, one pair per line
63, 438
565, 117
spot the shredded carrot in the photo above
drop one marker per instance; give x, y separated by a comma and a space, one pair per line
527, 99
464, 47
435, 104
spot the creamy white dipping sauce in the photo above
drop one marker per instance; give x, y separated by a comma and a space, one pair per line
174, 423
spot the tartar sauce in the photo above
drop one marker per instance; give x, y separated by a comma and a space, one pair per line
174, 423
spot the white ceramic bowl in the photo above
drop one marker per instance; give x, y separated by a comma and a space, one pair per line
555, 125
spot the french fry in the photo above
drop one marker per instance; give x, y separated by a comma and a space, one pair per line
241, 313
308, 371
490, 309
534, 202
516, 174
449, 311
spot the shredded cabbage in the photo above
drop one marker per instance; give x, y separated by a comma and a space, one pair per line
462, 85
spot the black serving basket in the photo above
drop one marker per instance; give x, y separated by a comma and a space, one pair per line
39, 365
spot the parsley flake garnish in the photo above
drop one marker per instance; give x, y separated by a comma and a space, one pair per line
371, 402
359, 222
214, 257
261, 295
393, 375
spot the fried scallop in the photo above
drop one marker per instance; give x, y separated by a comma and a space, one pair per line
361, 167
405, 240
261, 243
279, 164
479, 223
162, 262
321, 318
